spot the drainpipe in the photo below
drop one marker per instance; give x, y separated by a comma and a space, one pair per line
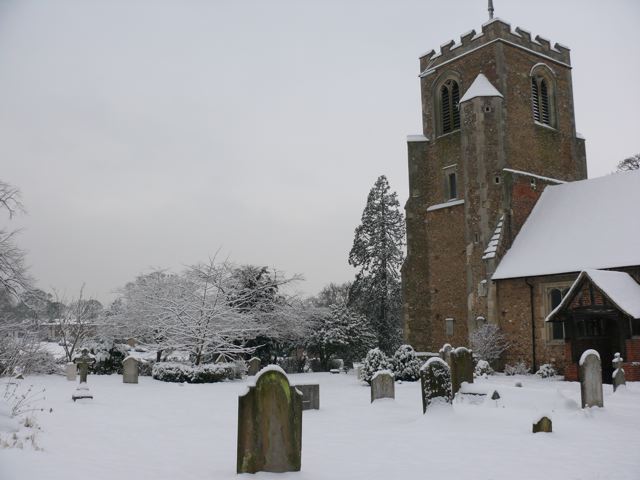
533, 325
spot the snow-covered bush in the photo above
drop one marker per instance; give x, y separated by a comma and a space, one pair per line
405, 364
374, 361
519, 368
109, 356
488, 342
546, 370
482, 369
145, 367
179, 372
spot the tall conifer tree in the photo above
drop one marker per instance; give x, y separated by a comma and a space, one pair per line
378, 254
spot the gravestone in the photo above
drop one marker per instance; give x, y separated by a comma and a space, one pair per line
270, 425
239, 369
435, 382
618, 372
130, 370
84, 360
382, 385
461, 364
495, 395
70, 371
253, 366
542, 425
310, 396
445, 353
591, 379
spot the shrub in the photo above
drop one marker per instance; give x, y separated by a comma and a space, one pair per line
519, 368
405, 364
179, 372
145, 367
109, 356
374, 361
488, 342
546, 370
482, 369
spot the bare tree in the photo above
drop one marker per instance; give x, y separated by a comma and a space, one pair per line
630, 163
488, 342
78, 323
13, 271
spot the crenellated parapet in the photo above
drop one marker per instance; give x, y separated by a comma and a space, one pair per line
493, 31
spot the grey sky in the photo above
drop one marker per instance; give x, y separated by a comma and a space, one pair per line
148, 133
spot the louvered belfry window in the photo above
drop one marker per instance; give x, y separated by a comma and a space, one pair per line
540, 100
450, 98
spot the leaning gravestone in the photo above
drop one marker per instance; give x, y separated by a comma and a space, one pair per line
435, 382
618, 372
382, 385
70, 371
253, 366
310, 396
461, 363
270, 425
543, 425
130, 369
591, 379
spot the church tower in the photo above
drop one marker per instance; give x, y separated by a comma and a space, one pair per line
498, 126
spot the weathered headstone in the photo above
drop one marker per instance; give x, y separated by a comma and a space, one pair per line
84, 360
445, 353
130, 370
435, 382
253, 366
591, 379
495, 395
270, 425
461, 364
382, 385
543, 425
70, 371
618, 372
310, 396
239, 369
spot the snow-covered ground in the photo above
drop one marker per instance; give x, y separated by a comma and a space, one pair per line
157, 430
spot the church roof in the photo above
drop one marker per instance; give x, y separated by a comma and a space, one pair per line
481, 87
589, 224
619, 287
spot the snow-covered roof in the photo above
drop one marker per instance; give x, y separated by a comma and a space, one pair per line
577, 226
417, 138
619, 287
450, 203
481, 87
533, 175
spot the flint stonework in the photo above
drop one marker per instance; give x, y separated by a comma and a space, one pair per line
270, 425
435, 383
591, 379
382, 385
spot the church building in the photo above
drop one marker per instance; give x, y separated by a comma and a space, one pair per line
502, 224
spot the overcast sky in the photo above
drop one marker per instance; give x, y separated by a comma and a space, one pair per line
149, 133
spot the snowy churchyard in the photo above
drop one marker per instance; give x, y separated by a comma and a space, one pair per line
159, 430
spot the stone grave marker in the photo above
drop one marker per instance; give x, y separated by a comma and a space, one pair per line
70, 371
542, 425
591, 379
382, 385
310, 396
84, 360
461, 364
253, 366
435, 382
618, 372
239, 369
445, 353
130, 370
270, 425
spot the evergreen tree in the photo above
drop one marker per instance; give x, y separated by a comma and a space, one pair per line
378, 254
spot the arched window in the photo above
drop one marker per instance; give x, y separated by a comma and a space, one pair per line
449, 108
542, 95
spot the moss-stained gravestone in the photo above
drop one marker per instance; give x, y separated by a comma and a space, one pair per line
542, 425
435, 382
270, 425
461, 364
591, 379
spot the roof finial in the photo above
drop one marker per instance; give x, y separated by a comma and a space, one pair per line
490, 9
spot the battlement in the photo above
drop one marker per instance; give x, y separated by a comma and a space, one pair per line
492, 31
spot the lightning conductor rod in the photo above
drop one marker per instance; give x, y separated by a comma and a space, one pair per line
490, 9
